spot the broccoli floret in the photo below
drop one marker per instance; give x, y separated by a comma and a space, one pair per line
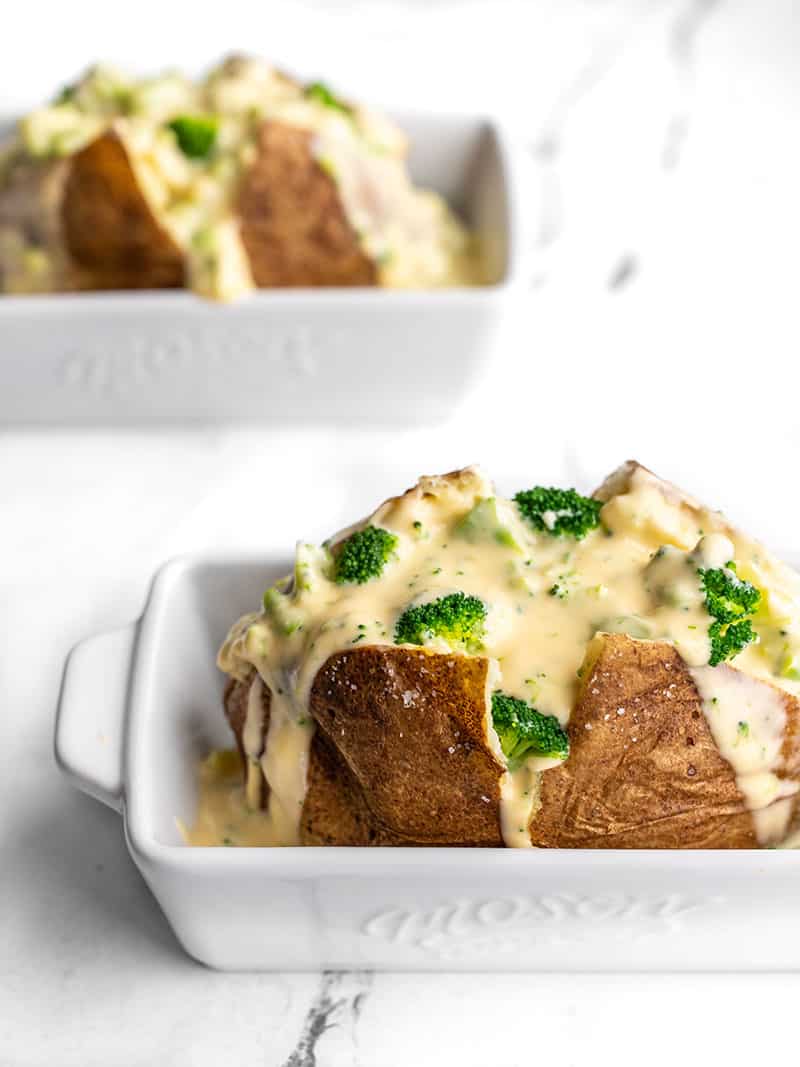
66, 95
363, 555
730, 602
457, 618
195, 134
322, 94
524, 731
559, 512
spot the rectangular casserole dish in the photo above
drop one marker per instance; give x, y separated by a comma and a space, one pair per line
334, 354
141, 705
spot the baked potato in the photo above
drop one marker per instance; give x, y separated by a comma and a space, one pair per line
245, 179
552, 671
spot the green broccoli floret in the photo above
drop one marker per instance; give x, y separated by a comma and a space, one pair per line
322, 94
195, 134
730, 602
363, 555
559, 512
66, 95
524, 731
457, 618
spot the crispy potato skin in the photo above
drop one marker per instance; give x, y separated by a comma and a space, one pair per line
400, 756
381, 769
410, 725
109, 231
293, 224
372, 786
335, 811
668, 788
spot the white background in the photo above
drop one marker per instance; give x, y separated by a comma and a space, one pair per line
660, 321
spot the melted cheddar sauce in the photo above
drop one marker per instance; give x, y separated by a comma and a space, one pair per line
226, 815
546, 598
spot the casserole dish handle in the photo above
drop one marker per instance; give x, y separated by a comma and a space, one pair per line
92, 706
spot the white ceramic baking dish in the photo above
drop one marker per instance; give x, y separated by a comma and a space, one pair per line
139, 707
347, 354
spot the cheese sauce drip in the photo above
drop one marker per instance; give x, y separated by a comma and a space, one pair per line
748, 724
410, 234
546, 598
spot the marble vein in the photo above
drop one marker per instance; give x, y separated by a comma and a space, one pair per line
683, 35
337, 1006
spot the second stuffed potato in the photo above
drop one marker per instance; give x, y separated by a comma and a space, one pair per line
244, 179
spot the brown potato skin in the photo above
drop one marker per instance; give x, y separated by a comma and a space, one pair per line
293, 225
410, 725
369, 786
669, 788
335, 811
109, 232
409, 791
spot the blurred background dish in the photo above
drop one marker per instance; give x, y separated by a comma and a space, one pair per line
362, 353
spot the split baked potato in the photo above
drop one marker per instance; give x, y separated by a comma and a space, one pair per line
552, 671
245, 179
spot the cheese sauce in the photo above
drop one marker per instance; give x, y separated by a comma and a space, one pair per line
546, 597
224, 813
748, 724
410, 234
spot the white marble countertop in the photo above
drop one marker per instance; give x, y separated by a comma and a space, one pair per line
661, 320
